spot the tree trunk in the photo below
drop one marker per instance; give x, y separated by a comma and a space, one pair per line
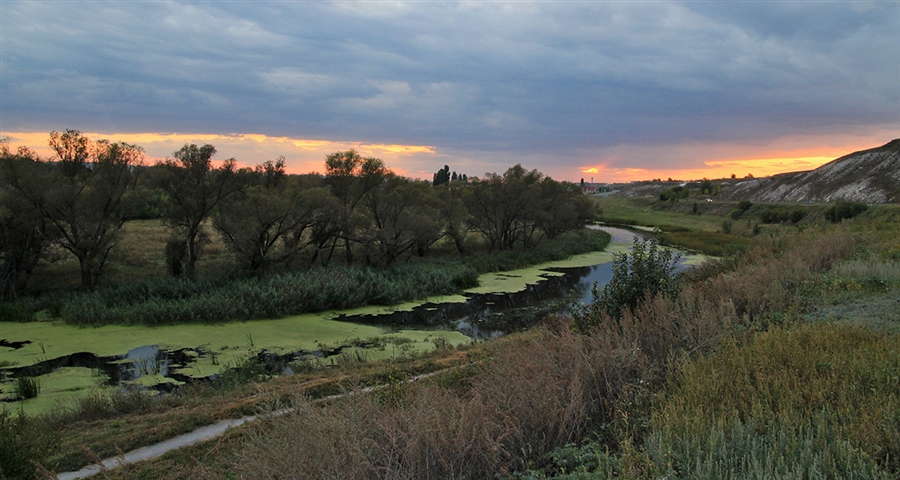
87, 277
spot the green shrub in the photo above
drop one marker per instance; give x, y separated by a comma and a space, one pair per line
843, 209
741, 207
674, 193
648, 271
782, 214
23, 444
220, 299
26, 387
14, 313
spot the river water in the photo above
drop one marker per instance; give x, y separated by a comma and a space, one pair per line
481, 316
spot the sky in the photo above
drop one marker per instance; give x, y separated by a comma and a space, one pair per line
602, 90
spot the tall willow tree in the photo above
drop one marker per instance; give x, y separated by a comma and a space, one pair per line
81, 195
24, 233
351, 179
195, 188
269, 221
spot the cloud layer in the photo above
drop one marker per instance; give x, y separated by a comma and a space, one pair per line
560, 82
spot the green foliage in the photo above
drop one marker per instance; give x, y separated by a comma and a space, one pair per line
442, 177
219, 299
10, 312
79, 199
674, 193
523, 207
23, 444
195, 188
782, 214
843, 209
248, 370
707, 187
559, 249
645, 273
26, 387
24, 234
742, 207
726, 226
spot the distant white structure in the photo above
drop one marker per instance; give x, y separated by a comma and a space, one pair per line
592, 188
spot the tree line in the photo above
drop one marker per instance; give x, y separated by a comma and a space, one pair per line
359, 211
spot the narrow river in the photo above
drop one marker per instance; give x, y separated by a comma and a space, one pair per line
73, 360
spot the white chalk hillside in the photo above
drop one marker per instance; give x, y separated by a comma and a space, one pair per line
870, 176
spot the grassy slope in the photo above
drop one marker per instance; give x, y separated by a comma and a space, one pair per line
705, 230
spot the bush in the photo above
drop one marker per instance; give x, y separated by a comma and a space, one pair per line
843, 209
742, 207
23, 445
674, 193
647, 272
14, 313
26, 387
781, 214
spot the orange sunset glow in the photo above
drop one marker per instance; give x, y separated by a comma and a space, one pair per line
722, 160
757, 167
302, 155
617, 164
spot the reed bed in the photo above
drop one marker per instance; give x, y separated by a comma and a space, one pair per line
339, 286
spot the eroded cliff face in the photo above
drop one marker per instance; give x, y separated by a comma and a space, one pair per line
870, 176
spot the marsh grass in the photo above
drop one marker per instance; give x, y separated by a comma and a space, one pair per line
222, 298
26, 387
709, 243
22, 445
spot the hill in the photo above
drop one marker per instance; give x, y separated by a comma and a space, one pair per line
870, 176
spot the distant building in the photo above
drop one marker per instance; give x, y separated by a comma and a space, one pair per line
592, 188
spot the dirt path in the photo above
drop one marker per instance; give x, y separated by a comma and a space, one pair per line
202, 434
153, 451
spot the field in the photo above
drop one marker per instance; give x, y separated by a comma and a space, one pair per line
758, 369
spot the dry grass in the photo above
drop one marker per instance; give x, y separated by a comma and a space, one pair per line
774, 276
551, 388
873, 268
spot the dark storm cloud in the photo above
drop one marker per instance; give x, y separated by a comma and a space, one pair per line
498, 76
